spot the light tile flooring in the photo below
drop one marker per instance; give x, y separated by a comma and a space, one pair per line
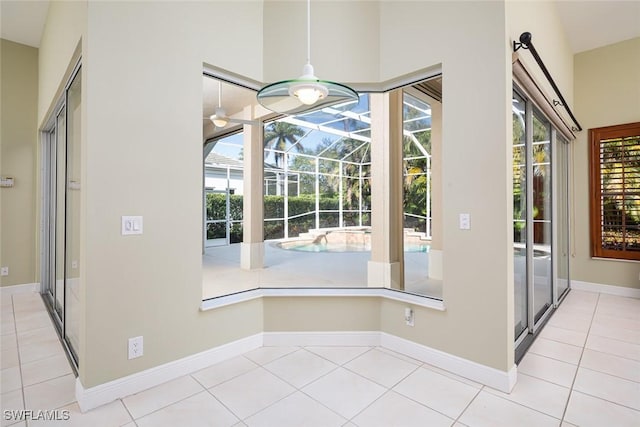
583, 370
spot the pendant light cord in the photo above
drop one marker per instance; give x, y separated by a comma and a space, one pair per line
308, 31
219, 94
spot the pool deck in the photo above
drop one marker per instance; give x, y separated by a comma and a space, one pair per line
222, 274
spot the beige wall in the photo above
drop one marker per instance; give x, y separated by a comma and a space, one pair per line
344, 40
142, 154
607, 88
144, 157
300, 314
18, 150
65, 26
469, 40
541, 19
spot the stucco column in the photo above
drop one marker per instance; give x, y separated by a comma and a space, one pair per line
252, 246
435, 251
385, 269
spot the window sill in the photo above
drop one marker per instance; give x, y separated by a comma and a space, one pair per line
597, 258
417, 300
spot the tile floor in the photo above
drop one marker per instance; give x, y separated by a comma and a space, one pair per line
583, 370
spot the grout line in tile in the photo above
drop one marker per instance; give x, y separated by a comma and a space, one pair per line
612, 354
468, 405
369, 405
553, 358
127, 409
609, 374
165, 406
229, 379
382, 385
566, 404
339, 364
565, 343
304, 385
607, 400
24, 400
295, 390
208, 390
531, 408
616, 339
542, 379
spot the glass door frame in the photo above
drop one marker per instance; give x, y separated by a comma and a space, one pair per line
535, 321
50, 237
50, 141
561, 143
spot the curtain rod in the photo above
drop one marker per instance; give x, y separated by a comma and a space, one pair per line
525, 43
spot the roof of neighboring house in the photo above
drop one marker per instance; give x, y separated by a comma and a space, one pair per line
219, 159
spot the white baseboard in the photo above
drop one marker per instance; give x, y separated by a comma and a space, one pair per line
89, 398
494, 378
621, 291
19, 289
302, 339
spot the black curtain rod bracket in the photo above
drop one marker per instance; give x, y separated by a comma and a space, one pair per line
526, 43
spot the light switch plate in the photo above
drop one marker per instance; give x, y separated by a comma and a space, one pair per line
131, 225
465, 221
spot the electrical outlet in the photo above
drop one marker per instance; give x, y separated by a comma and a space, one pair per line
136, 348
408, 316
4, 271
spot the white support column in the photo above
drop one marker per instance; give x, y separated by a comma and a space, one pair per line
386, 267
285, 193
252, 247
340, 192
435, 251
317, 193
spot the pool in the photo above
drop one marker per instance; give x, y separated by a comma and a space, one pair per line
309, 246
348, 240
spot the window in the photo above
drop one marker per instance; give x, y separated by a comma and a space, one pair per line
615, 189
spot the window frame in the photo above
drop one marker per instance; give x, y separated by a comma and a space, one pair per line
596, 136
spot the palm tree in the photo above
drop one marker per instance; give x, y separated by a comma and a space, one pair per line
278, 134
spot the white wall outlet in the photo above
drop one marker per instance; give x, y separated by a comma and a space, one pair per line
4, 271
408, 316
465, 221
136, 347
131, 225
74, 264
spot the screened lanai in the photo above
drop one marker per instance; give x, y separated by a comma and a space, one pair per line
317, 189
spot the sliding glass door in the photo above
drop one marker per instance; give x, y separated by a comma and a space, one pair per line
539, 248
60, 271
540, 216
563, 209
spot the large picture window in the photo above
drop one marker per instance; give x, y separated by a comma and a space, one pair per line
615, 190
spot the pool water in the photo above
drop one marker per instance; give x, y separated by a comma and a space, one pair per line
309, 246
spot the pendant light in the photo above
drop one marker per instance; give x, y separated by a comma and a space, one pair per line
307, 91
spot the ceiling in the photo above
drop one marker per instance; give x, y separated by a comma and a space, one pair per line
233, 99
22, 21
592, 24
588, 23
